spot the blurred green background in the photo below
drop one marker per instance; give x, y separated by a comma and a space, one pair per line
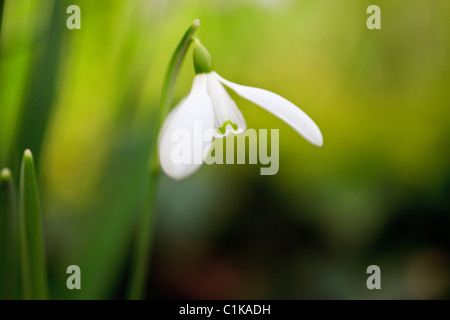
377, 192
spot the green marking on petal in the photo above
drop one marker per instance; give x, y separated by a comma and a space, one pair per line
223, 129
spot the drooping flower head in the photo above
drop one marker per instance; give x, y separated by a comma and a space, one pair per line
208, 112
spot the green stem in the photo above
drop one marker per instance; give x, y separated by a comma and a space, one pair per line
173, 69
2, 9
144, 240
142, 250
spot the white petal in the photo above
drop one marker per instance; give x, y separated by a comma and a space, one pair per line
280, 107
225, 109
169, 119
182, 142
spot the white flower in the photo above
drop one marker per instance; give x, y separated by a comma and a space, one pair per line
208, 112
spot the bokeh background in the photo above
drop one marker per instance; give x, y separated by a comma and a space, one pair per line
377, 192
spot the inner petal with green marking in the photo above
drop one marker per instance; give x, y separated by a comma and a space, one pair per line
227, 117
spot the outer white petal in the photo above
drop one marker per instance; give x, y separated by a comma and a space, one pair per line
169, 119
280, 107
191, 117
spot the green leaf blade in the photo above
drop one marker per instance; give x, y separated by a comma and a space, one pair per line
9, 262
34, 274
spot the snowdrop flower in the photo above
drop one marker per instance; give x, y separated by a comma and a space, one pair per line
208, 112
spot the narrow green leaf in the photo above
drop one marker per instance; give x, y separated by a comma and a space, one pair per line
5, 212
9, 276
2, 8
34, 274
40, 95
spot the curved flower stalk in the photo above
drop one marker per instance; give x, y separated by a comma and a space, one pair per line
143, 245
208, 112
